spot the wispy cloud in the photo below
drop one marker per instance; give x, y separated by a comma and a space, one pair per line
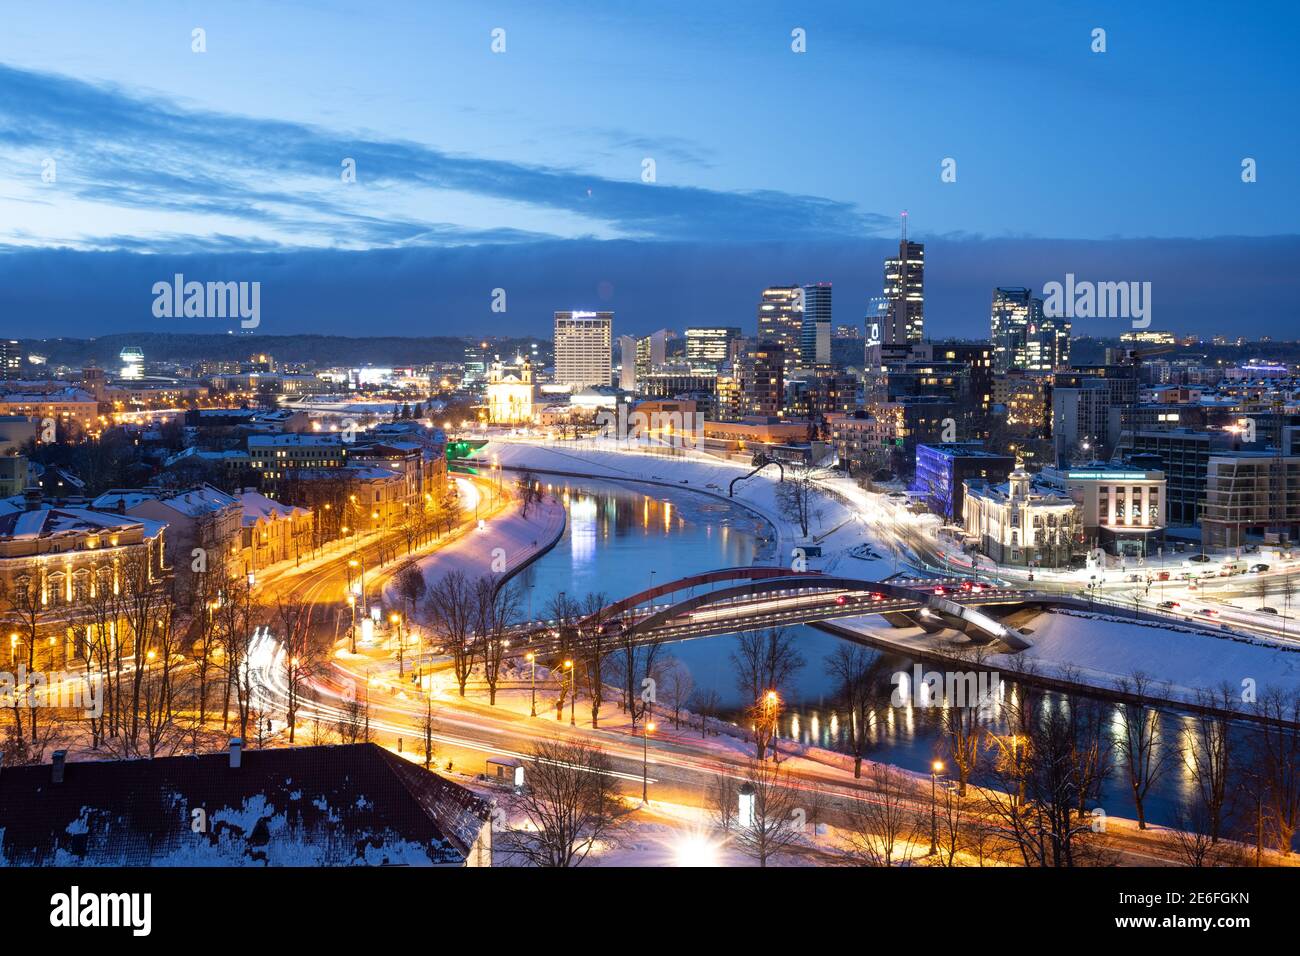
195, 178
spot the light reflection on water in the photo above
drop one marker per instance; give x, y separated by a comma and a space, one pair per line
621, 538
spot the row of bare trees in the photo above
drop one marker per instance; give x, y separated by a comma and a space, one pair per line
158, 656
1043, 774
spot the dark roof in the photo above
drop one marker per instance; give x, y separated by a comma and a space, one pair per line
306, 806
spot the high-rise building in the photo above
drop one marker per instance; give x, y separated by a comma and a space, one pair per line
780, 320
583, 348
11, 359
815, 330
1047, 343
1014, 308
711, 346
1022, 336
763, 380
651, 352
627, 377
902, 308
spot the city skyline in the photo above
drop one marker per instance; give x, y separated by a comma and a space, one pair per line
739, 435
229, 165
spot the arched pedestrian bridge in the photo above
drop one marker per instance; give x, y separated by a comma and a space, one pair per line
742, 599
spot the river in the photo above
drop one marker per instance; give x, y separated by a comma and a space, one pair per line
622, 538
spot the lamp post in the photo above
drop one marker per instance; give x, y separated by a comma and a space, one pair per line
936, 768
532, 680
396, 620
573, 693
645, 760
771, 707
352, 636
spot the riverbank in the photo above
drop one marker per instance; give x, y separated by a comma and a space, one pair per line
1077, 651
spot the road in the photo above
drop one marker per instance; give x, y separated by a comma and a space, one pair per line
678, 769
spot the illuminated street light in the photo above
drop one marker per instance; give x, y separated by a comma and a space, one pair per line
645, 760
532, 680
936, 768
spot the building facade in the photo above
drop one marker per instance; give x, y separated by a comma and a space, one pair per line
1020, 524
584, 348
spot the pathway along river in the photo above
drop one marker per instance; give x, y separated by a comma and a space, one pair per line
622, 538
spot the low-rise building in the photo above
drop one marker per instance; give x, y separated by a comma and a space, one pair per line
1021, 524
942, 469
1251, 494
205, 525
56, 559
1122, 510
272, 532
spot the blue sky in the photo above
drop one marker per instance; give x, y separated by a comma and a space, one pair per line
523, 169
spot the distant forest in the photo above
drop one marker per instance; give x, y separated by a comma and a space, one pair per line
320, 350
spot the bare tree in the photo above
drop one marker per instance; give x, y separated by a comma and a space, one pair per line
1043, 777
1275, 765
765, 663
1145, 756
635, 662
678, 686
773, 825
1190, 838
569, 804
879, 823
497, 610
1210, 757
796, 496
706, 703
596, 645
238, 618
452, 609
723, 800
856, 672
411, 587
300, 657
530, 491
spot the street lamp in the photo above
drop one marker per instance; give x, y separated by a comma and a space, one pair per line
771, 707
645, 760
573, 692
396, 620
532, 680
936, 768
352, 606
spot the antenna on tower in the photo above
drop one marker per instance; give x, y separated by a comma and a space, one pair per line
903, 217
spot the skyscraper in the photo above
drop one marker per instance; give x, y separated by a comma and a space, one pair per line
1022, 336
780, 320
711, 346
651, 352
902, 308
1047, 343
583, 348
1012, 311
627, 363
815, 331
763, 379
